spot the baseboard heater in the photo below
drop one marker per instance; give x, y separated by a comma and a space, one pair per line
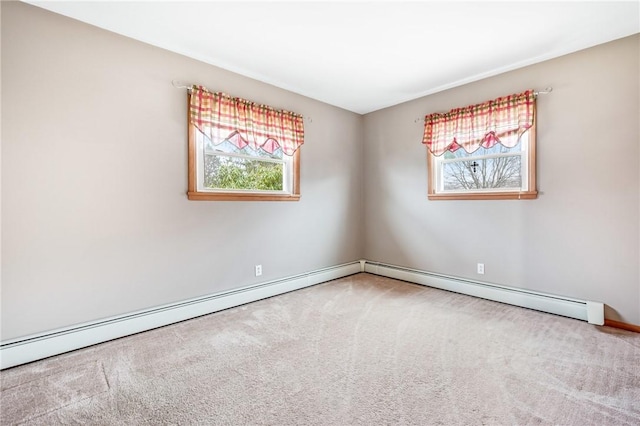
35, 347
55, 342
592, 312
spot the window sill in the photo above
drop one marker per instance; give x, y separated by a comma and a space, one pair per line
220, 196
529, 195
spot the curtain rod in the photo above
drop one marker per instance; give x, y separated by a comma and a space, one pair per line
180, 85
546, 91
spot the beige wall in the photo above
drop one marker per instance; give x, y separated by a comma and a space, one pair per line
579, 238
95, 219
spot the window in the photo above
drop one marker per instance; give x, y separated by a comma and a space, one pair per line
239, 150
484, 151
227, 167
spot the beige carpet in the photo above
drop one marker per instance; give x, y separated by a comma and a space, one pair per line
359, 350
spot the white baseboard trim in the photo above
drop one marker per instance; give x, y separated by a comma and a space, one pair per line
43, 345
32, 348
592, 312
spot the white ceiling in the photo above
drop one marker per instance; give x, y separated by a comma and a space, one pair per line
363, 56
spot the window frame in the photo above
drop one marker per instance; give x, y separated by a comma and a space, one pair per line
193, 192
529, 175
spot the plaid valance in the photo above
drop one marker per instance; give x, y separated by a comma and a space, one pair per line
502, 120
222, 117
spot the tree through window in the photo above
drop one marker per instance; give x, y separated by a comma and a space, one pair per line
240, 150
484, 151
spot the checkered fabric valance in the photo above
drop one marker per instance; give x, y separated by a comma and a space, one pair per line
502, 120
222, 117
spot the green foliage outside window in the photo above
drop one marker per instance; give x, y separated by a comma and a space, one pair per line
233, 173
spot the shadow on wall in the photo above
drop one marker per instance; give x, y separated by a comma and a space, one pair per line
335, 197
611, 314
387, 241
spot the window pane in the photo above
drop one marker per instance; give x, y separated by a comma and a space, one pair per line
496, 149
229, 148
501, 172
222, 172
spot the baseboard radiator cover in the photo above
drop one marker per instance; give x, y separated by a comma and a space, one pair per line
32, 348
592, 312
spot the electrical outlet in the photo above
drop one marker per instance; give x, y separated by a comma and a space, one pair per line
258, 270
481, 268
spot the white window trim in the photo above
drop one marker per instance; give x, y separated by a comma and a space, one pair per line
527, 171
523, 153
195, 179
286, 161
